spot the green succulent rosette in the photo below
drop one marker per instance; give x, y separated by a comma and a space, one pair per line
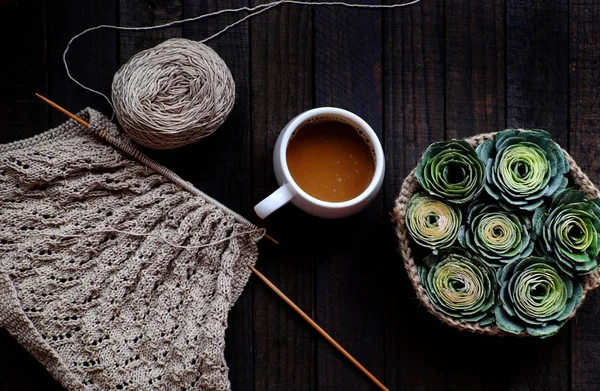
451, 170
536, 297
569, 231
523, 167
431, 222
459, 285
496, 235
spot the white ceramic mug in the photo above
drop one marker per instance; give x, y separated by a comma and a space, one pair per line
291, 192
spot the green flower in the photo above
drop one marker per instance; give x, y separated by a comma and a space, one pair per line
497, 236
523, 167
535, 297
459, 285
569, 230
431, 222
451, 170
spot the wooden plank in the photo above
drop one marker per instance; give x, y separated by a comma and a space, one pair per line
535, 364
282, 77
21, 372
537, 66
220, 164
92, 59
414, 117
146, 13
475, 103
537, 97
349, 288
584, 117
24, 70
475, 65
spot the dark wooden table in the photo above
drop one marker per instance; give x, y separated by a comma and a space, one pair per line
440, 69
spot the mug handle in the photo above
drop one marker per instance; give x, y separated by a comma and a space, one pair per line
276, 200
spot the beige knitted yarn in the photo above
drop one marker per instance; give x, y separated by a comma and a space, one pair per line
173, 94
107, 310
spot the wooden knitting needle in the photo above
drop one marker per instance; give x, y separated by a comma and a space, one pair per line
271, 239
87, 125
318, 328
63, 110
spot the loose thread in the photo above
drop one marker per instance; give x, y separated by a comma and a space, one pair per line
138, 234
253, 11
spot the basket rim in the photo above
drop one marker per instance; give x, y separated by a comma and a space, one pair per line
410, 185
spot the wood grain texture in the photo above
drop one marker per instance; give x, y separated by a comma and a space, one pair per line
475, 103
475, 67
23, 69
23, 72
537, 97
284, 345
21, 372
584, 124
92, 59
349, 269
442, 68
537, 58
222, 163
147, 13
413, 118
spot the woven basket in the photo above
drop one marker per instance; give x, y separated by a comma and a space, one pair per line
410, 185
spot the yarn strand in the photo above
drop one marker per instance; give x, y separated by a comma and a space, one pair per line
253, 11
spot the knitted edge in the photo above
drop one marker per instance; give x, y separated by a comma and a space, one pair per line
14, 320
67, 128
410, 186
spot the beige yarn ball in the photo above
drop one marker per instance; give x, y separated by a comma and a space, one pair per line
173, 94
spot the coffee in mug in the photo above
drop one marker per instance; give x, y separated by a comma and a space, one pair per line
328, 162
330, 159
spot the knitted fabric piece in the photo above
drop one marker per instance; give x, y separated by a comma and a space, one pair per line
107, 310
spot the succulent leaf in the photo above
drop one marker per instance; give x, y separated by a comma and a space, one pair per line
536, 297
569, 231
431, 222
496, 235
460, 285
523, 168
451, 170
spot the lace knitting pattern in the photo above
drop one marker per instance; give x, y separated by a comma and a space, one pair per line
111, 311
